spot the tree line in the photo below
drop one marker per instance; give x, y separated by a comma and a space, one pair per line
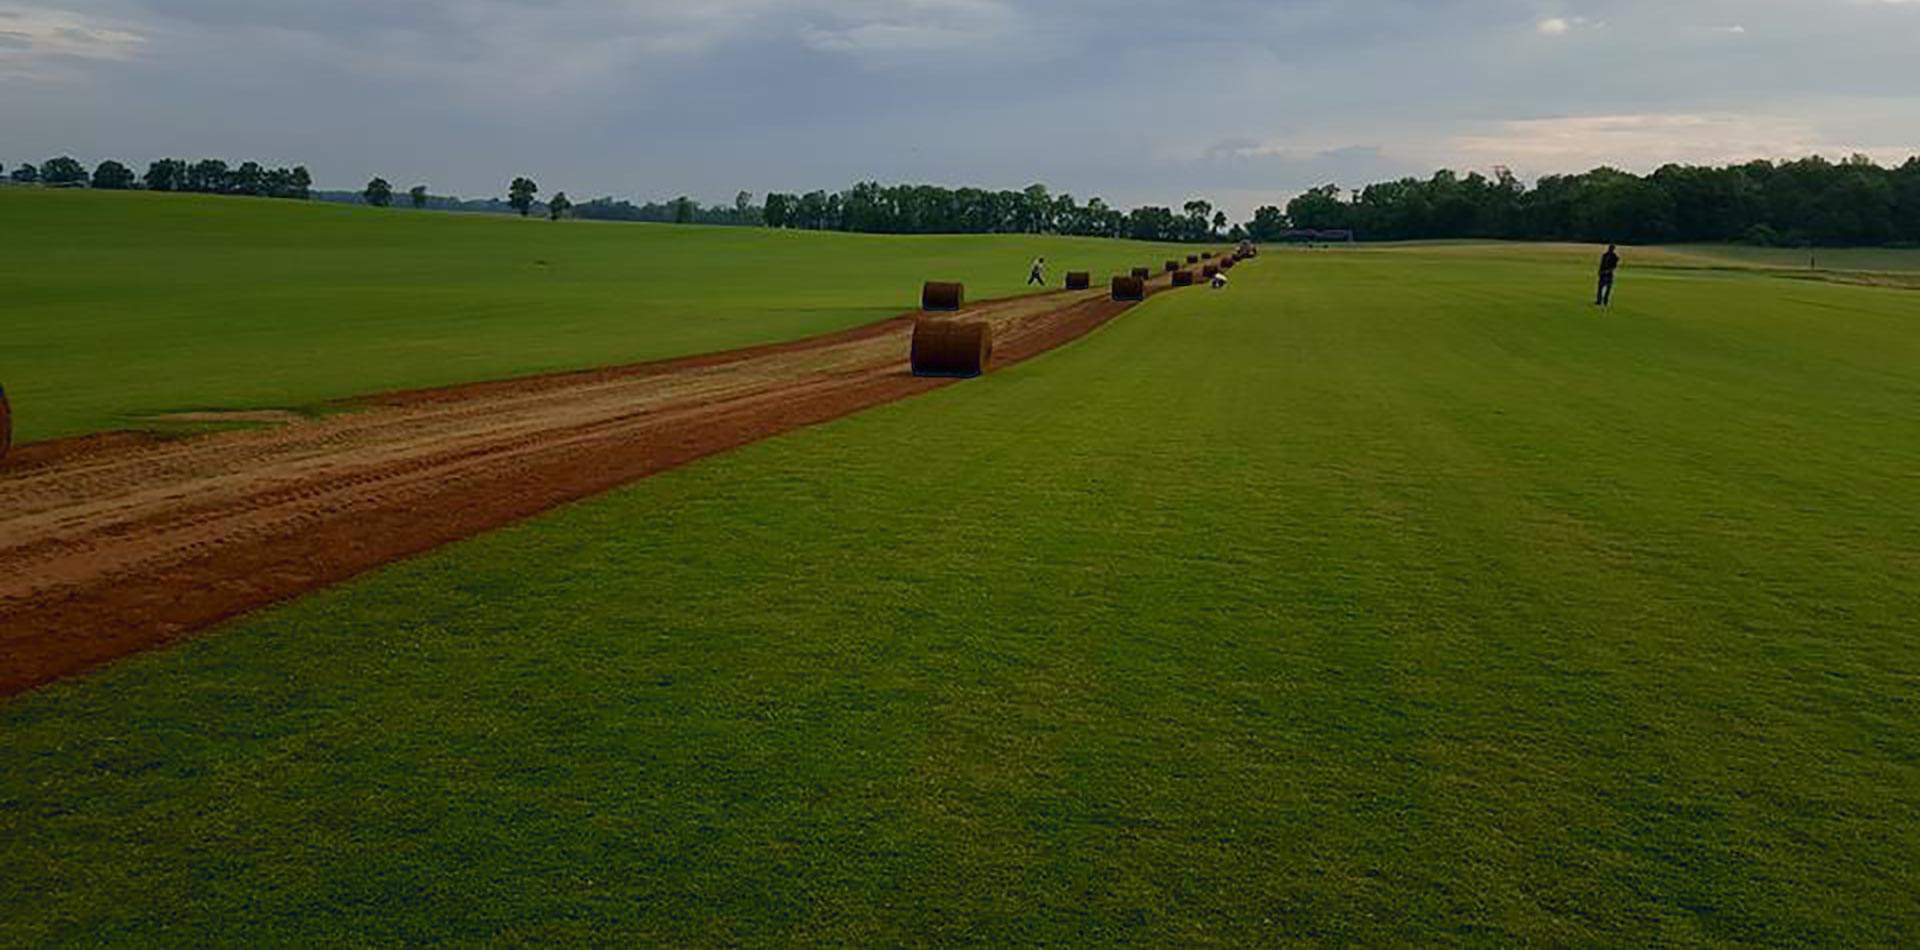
931, 209
1806, 202
1810, 201
210, 176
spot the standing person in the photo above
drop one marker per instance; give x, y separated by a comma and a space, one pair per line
1039, 273
1609, 262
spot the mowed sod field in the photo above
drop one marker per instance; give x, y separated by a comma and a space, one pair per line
1391, 597
122, 306
1866, 259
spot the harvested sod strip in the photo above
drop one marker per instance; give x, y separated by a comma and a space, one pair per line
121, 306
1386, 598
109, 546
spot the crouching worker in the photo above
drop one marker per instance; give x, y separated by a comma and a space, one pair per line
1220, 281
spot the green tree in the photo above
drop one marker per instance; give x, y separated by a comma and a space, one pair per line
683, 208
743, 207
207, 176
1219, 221
248, 179
1067, 216
810, 213
1614, 206
379, 193
1153, 223
1196, 222
1320, 209
112, 176
63, 171
419, 195
167, 174
558, 205
26, 174
1905, 195
520, 195
1095, 218
1035, 210
778, 210
1268, 221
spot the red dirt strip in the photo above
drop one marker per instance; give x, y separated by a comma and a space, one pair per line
118, 543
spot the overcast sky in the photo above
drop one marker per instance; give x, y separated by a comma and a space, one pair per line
1238, 101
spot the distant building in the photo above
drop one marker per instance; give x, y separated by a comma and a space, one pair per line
1309, 236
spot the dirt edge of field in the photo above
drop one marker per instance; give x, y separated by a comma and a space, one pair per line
49, 635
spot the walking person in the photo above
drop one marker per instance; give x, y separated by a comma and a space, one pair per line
1609, 262
1039, 273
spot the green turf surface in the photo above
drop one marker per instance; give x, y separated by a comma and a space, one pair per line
123, 305
1383, 599
1888, 260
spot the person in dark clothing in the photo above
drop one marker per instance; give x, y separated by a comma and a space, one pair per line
1609, 262
1039, 273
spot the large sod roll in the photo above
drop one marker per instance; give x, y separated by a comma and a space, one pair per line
936, 295
1172, 266
1079, 280
1132, 287
1226, 263
1144, 273
946, 347
1183, 278
1193, 258
6, 425
1206, 255
1209, 271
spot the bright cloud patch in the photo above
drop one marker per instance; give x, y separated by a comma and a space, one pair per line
925, 26
1561, 26
1643, 142
35, 42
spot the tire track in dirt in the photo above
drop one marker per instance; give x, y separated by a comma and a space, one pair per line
117, 543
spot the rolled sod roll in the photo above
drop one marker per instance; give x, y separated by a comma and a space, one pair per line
1079, 280
1209, 271
1193, 258
1144, 273
936, 295
943, 347
1132, 287
1172, 266
1183, 278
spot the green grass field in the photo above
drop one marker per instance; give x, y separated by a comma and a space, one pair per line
121, 306
1387, 598
1873, 259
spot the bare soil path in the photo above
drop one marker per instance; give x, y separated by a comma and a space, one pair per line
117, 543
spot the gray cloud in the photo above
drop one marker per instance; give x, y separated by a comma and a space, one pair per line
1241, 101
